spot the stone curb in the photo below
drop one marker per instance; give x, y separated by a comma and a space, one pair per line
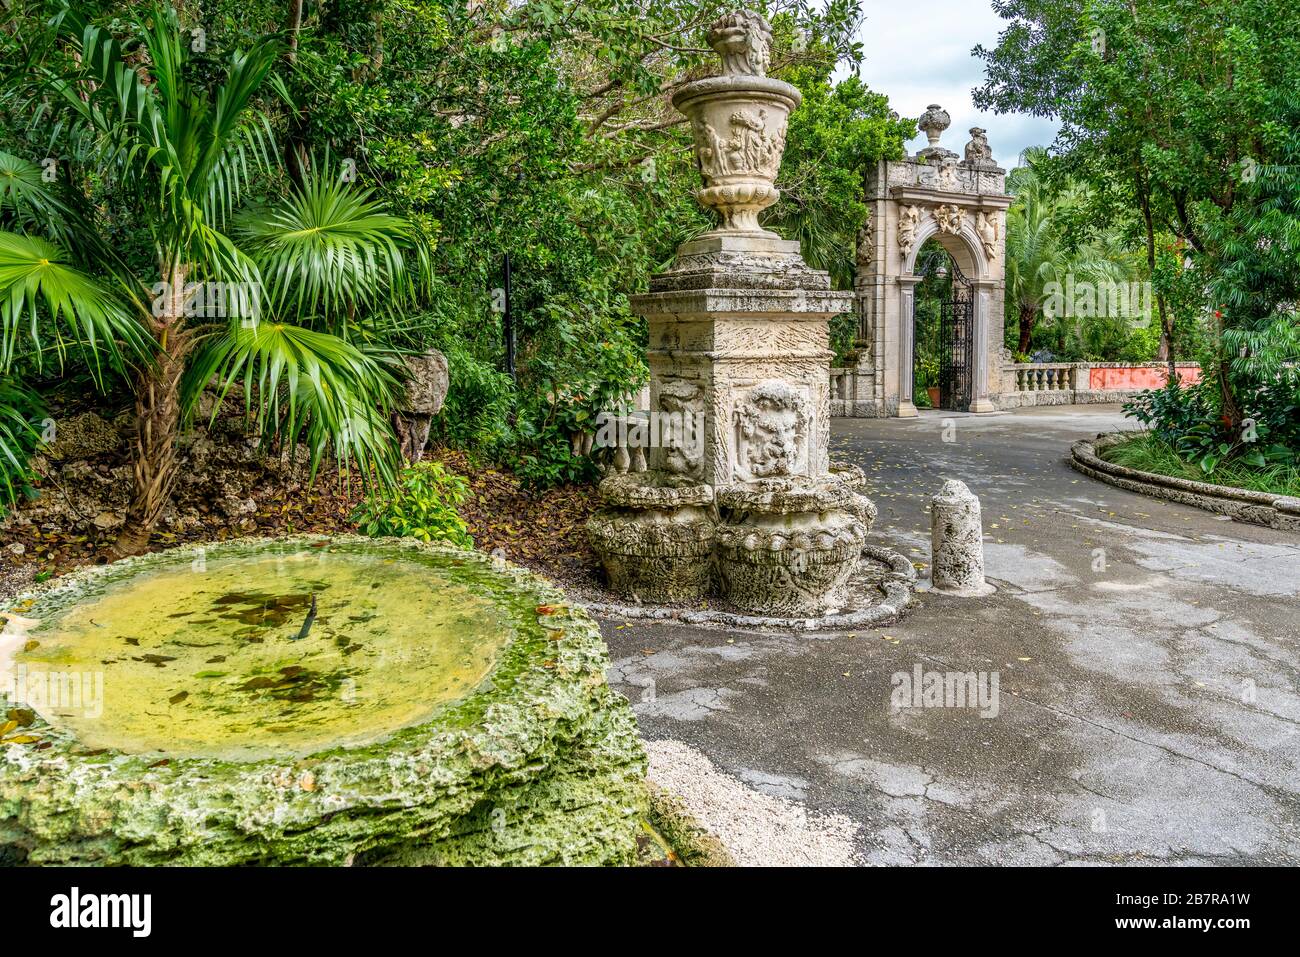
1242, 505
898, 588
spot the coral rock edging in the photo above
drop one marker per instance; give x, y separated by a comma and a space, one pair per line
1243, 505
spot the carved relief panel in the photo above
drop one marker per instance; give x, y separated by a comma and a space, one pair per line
771, 427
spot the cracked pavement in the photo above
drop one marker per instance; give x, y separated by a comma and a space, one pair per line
1147, 656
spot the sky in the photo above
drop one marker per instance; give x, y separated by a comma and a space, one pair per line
920, 53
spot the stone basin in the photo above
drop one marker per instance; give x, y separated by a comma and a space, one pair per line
314, 700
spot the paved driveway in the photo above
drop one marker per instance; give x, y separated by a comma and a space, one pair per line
1146, 654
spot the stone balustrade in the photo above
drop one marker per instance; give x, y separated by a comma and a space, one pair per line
1084, 383
1035, 383
1045, 376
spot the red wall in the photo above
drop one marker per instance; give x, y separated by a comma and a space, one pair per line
1137, 377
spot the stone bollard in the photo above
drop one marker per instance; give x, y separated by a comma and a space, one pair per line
957, 542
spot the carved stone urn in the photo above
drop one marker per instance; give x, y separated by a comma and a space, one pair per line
739, 122
932, 123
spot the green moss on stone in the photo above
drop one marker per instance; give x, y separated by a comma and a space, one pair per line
541, 765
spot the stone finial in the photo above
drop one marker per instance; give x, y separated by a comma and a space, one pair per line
744, 41
932, 123
957, 542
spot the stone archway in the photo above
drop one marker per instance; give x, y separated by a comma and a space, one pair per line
944, 331
962, 204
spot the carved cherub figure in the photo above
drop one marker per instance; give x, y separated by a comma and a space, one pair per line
907, 224
986, 224
951, 219
866, 243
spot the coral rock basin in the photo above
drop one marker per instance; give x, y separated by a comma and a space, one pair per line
311, 701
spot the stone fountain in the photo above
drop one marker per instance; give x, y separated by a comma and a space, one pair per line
740, 500
318, 701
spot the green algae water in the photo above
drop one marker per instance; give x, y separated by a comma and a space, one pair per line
244, 657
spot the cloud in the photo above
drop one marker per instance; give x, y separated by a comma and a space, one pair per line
918, 55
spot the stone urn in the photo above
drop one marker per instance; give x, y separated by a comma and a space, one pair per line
786, 547
739, 123
932, 123
655, 535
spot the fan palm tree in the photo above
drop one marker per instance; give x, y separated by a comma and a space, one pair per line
47, 306
1038, 257
316, 274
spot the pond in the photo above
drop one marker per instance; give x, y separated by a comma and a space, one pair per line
250, 656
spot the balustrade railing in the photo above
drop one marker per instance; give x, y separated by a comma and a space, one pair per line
1047, 376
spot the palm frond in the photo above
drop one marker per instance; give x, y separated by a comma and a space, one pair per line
36, 273
304, 385
187, 155
18, 439
328, 251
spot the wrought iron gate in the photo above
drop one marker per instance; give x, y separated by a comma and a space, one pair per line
956, 334
956, 329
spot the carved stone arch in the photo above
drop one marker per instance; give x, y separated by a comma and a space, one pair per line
964, 247
904, 196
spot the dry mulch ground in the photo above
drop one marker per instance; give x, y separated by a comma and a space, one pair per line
543, 532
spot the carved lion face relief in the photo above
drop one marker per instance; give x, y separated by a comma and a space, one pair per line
771, 431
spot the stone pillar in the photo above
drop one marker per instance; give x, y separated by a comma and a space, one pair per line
957, 542
739, 341
906, 344
980, 358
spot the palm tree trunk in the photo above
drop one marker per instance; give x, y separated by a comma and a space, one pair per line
294, 25
1232, 414
1027, 314
158, 421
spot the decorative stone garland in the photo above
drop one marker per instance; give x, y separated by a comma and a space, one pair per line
781, 497
652, 490
897, 588
1254, 508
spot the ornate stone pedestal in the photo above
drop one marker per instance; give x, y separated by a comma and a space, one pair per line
655, 537
739, 346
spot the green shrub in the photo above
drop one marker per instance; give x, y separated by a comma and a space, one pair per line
423, 505
1189, 420
1147, 452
